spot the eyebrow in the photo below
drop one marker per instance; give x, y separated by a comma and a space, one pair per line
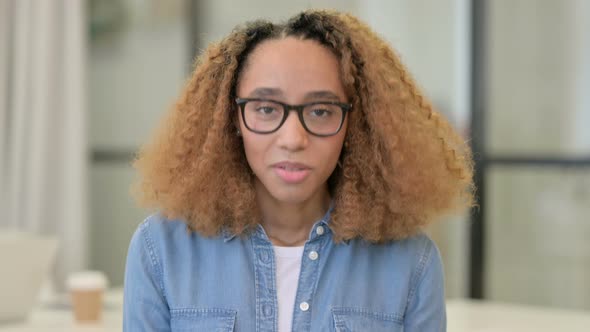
266, 92
313, 95
329, 95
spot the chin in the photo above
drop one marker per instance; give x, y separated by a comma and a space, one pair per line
291, 195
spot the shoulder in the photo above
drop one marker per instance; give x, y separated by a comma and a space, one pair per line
419, 247
169, 240
410, 256
418, 259
161, 236
414, 250
426, 255
158, 228
424, 262
151, 236
414, 257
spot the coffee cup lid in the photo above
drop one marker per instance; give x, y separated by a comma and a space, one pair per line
87, 280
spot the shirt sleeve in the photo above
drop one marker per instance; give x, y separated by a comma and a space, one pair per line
144, 304
426, 305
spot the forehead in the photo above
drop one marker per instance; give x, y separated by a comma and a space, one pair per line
292, 65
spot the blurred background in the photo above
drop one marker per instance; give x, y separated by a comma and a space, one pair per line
83, 84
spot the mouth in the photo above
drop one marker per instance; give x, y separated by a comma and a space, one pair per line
291, 173
292, 168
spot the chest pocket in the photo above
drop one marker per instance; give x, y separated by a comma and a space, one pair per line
357, 319
202, 319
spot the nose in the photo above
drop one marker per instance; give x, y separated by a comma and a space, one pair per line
292, 134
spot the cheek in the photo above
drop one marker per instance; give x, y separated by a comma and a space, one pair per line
329, 153
249, 142
337, 142
254, 148
334, 151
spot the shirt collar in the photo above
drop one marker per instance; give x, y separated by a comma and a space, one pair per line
324, 221
227, 235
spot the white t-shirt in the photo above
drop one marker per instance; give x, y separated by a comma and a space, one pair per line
288, 261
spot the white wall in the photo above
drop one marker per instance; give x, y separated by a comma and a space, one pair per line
136, 71
537, 218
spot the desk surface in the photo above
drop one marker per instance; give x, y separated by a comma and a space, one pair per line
484, 316
463, 315
60, 318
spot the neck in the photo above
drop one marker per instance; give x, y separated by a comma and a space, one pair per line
288, 224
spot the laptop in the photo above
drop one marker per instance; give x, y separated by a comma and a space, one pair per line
25, 260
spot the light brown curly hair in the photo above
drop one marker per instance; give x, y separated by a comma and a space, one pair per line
402, 164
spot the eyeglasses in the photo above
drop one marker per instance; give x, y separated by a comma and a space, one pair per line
265, 116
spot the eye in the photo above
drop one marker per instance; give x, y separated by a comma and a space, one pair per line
321, 112
266, 110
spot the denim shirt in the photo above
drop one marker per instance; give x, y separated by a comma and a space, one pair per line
176, 281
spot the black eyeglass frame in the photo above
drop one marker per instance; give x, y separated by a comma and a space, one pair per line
287, 110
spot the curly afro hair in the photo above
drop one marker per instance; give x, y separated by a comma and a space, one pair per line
402, 165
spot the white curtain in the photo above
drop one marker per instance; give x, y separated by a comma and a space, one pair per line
43, 141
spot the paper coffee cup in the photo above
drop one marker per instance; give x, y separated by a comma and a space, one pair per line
86, 291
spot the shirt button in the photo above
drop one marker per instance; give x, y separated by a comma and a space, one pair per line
267, 310
304, 306
313, 255
320, 230
264, 256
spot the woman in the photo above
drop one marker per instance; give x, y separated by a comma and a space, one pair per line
293, 178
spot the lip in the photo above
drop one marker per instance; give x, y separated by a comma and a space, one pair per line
291, 164
291, 172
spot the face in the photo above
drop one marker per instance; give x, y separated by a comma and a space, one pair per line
290, 164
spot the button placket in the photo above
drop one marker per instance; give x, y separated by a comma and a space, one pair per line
307, 283
266, 313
